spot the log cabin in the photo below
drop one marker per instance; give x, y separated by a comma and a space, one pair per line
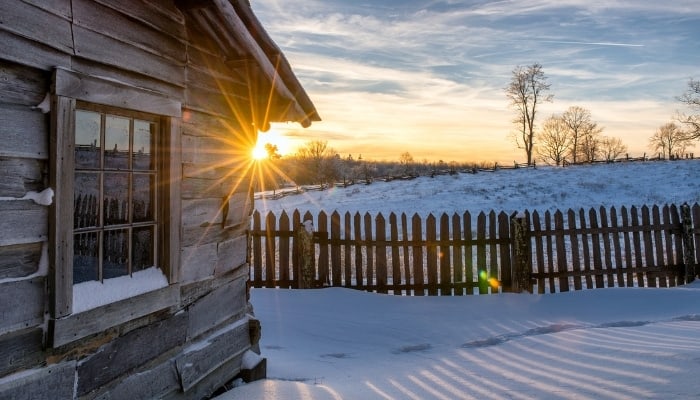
125, 194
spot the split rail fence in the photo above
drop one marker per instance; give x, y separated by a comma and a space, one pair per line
492, 253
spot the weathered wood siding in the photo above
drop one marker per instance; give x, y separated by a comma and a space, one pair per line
126, 54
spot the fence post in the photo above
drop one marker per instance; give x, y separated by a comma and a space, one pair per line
304, 235
521, 268
688, 244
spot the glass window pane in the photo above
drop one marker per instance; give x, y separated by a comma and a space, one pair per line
142, 245
86, 257
144, 190
115, 260
86, 192
116, 198
143, 145
87, 139
116, 142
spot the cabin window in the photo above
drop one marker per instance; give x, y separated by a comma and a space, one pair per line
115, 193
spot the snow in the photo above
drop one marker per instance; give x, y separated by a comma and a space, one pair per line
93, 294
614, 343
43, 198
543, 188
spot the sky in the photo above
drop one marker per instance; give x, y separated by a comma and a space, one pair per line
427, 76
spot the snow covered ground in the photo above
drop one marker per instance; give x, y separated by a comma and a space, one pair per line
544, 188
617, 343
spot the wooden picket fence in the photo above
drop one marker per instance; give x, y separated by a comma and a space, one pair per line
492, 253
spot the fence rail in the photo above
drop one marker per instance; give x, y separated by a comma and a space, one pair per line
495, 252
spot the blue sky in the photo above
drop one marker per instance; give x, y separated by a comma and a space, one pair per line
427, 77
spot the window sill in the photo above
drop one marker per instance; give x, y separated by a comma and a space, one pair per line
77, 326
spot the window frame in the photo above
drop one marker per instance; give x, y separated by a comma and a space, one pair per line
71, 91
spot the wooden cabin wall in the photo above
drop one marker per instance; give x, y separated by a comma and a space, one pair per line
144, 44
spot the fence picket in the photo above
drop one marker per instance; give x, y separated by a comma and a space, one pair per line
406, 254
585, 242
257, 251
322, 232
504, 256
359, 276
296, 257
369, 261
658, 246
482, 273
629, 262
595, 246
648, 247
396, 280
431, 254
336, 266
468, 254
284, 279
445, 257
573, 239
539, 251
550, 253
347, 266
457, 260
619, 267
607, 252
493, 275
638, 263
416, 236
381, 254
671, 262
678, 243
562, 265
270, 249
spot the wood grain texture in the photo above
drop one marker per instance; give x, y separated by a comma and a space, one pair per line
22, 85
31, 53
21, 175
24, 132
38, 24
220, 305
52, 382
19, 260
21, 350
22, 304
22, 221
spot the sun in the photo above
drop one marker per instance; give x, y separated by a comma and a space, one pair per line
259, 152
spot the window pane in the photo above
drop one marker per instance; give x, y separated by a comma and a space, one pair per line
116, 198
87, 139
142, 245
144, 190
143, 145
116, 142
86, 192
115, 261
85, 257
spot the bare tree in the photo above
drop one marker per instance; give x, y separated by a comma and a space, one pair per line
590, 143
669, 139
578, 120
691, 98
612, 147
527, 89
554, 141
318, 162
406, 162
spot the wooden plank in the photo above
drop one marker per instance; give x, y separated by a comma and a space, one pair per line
658, 244
396, 279
550, 251
417, 238
21, 85
369, 252
22, 304
201, 359
162, 15
196, 212
671, 274
431, 255
197, 123
678, 239
21, 350
586, 241
101, 91
150, 383
468, 254
457, 256
38, 24
322, 231
595, 246
24, 132
53, 382
445, 257
336, 266
482, 273
77, 326
130, 351
634, 216
231, 254
562, 264
270, 250
607, 255
22, 221
539, 250
296, 266
504, 252
619, 266
284, 241
19, 260
20, 175
347, 261
198, 262
406, 255
222, 304
696, 237
629, 264
214, 154
648, 246
193, 188
380, 237
28, 52
207, 234
493, 253
359, 276
91, 15
192, 292
170, 227
575, 258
